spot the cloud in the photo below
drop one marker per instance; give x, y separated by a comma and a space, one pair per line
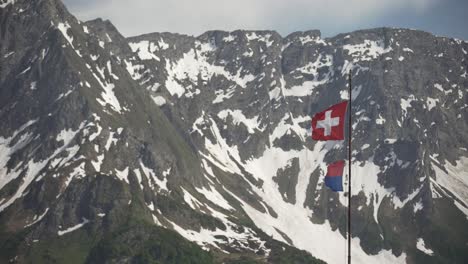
195, 17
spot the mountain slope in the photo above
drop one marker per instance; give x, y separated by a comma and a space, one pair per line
101, 153
260, 89
112, 144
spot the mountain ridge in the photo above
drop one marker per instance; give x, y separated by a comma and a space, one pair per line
207, 136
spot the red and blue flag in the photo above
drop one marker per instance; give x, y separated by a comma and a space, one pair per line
334, 177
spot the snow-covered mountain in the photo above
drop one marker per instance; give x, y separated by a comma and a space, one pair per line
117, 149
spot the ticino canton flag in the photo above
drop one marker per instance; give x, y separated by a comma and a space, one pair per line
334, 177
329, 125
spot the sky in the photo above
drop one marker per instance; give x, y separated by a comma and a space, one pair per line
447, 18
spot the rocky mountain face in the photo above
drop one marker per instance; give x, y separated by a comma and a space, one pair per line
167, 148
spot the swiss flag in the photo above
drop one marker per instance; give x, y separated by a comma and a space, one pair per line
329, 124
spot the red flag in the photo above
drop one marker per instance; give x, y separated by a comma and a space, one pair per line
329, 124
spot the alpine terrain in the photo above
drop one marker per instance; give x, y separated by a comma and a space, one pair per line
168, 148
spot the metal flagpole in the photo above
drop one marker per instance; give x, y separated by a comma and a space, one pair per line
349, 169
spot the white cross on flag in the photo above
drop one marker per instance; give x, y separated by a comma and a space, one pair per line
329, 124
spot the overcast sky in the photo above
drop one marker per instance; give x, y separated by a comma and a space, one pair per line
134, 17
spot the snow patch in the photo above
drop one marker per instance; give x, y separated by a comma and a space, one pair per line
220, 153
145, 50
314, 39
97, 165
308, 87
422, 247
63, 95
221, 95
73, 228
111, 140
380, 120
418, 207
205, 237
108, 96
5, 3
134, 70
367, 51
159, 100
37, 219
6, 151
261, 38
438, 87
431, 103
229, 38
163, 45
122, 175
215, 197
454, 179
194, 65
93, 136
64, 27
152, 178
252, 124
191, 201
406, 103
139, 178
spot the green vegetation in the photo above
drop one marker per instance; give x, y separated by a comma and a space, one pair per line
243, 260
449, 241
8, 244
147, 244
71, 248
289, 255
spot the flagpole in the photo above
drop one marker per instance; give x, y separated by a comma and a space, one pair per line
349, 169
